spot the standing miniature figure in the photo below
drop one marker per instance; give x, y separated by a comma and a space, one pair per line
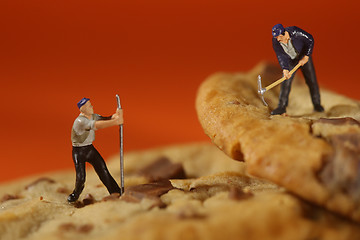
82, 136
293, 45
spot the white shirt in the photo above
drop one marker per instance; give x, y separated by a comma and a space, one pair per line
83, 130
289, 49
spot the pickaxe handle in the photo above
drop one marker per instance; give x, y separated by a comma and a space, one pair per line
274, 84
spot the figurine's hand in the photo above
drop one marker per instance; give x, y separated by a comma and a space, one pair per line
118, 117
304, 60
286, 74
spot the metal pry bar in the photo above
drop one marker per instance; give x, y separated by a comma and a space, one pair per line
122, 187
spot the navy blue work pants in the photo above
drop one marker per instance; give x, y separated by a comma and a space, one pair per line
308, 71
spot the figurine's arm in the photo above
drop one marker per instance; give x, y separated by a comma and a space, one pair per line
115, 119
304, 60
309, 43
307, 39
99, 117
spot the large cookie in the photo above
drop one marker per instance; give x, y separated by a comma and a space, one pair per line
315, 155
215, 199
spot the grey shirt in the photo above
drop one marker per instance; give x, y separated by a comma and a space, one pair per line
289, 49
83, 130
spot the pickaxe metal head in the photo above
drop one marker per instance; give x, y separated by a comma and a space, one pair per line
261, 91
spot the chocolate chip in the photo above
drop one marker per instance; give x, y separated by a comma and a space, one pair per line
237, 193
63, 190
71, 227
150, 190
88, 199
190, 215
310, 211
86, 228
341, 170
338, 121
8, 197
155, 189
44, 179
66, 227
78, 204
111, 197
162, 169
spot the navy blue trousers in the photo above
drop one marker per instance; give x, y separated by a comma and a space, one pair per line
308, 71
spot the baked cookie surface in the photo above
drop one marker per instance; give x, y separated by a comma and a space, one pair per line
314, 155
214, 199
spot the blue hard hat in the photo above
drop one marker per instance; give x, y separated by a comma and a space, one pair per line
82, 102
277, 30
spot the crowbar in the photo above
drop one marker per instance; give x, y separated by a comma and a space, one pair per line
121, 150
261, 90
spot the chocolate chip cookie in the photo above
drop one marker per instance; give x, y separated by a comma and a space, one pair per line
314, 155
191, 191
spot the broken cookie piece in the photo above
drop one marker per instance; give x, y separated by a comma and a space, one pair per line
288, 150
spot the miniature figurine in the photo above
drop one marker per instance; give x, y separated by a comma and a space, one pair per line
82, 136
293, 45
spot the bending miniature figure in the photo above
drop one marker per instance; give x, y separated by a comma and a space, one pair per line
293, 45
82, 137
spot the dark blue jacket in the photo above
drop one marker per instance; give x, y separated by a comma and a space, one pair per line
302, 41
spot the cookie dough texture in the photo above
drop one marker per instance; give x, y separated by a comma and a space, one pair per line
216, 200
314, 155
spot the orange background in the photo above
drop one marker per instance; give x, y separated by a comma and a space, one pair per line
154, 54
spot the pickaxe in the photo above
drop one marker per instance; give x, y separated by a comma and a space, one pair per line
261, 90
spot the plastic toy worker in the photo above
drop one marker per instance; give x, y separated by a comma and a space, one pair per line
82, 137
293, 45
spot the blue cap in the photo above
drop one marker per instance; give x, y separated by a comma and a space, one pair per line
82, 102
277, 30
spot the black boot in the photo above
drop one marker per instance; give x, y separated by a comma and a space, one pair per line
318, 108
73, 197
278, 111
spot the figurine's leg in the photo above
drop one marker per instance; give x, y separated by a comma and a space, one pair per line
102, 171
284, 97
308, 71
80, 175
